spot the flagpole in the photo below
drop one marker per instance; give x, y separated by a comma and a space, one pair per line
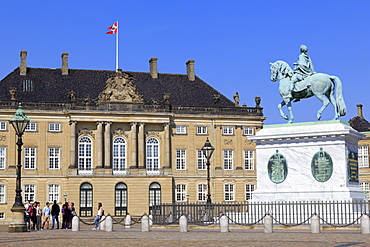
117, 48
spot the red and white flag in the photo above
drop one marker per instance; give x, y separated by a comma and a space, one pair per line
113, 28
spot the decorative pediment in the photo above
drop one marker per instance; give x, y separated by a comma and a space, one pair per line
120, 132
85, 132
119, 88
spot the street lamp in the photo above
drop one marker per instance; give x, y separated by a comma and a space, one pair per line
207, 150
19, 122
65, 197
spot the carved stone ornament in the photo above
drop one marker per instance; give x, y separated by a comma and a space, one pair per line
13, 92
153, 133
247, 142
120, 132
86, 132
119, 88
228, 141
2, 138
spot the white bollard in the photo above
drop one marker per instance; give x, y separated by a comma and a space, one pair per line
150, 220
224, 223
315, 224
365, 224
183, 222
102, 223
268, 224
75, 224
108, 224
145, 223
170, 218
128, 221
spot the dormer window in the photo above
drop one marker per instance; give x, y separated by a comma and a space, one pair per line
27, 86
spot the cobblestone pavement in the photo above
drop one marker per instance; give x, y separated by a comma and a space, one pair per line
172, 237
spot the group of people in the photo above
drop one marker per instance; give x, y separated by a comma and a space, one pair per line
39, 219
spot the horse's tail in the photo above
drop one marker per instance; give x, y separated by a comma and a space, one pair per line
341, 105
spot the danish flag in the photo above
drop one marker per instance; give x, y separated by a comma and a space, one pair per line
113, 28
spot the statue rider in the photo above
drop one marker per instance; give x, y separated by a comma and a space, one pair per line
303, 68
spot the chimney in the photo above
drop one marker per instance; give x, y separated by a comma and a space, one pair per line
359, 111
153, 67
23, 66
190, 70
65, 63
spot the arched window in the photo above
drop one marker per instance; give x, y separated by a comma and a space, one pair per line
121, 199
119, 155
85, 155
152, 155
86, 200
154, 196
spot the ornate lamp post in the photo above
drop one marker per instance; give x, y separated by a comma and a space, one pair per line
65, 197
207, 150
19, 122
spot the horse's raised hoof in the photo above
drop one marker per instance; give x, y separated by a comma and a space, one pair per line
285, 117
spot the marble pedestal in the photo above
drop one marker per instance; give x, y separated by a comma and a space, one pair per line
296, 174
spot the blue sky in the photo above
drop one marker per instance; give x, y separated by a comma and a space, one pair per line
232, 42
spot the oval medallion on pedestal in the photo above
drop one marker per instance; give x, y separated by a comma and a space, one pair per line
277, 168
322, 166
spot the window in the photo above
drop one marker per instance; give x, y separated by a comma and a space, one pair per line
365, 187
54, 127
248, 131
201, 160
248, 159
2, 125
119, 155
121, 199
180, 129
54, 158
31, 127
227, 130
85, 155
228, 159
154, 196
201, 130
152, 155
180, 159
249, 188
86, 200
2, 193
229, 192
2, 216
30, 158
181, 192
53, 193
29, 192
202, 192
363, 156
27, 86
2, 157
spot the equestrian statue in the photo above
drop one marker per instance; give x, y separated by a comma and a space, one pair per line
303, 82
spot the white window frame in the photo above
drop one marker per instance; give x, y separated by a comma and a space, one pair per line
249, 188
31, 126
54, 158
53, 192
180, 159
85, 157
227, 130
180, 129
3, 125
201, 160
202, 130
2, 157
365, 186
363, 156
55, 127
249, 160
228, 159
152, 156
181, 190
2, 215
29, 192
248, 131
202, 192
229, 192
119, 152
2, 193
30, 158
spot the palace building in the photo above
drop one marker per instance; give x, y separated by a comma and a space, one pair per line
126, 139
